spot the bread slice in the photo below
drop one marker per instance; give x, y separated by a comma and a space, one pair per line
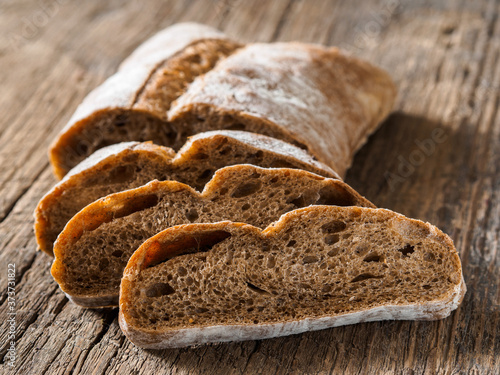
94, 247
132, 164
317, 267
312, 96
132, 104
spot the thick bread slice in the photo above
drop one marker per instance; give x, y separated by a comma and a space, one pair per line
132, 104
94, 247
128, 165
312, 96
317, 267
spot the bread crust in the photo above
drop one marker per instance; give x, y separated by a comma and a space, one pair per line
307, 94
127, 91
103, 160
172, 338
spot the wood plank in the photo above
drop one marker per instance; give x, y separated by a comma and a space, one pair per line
444, 58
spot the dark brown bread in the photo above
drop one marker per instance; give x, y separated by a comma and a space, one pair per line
312, 96
132, 104
128, 165
94, 247
317, 267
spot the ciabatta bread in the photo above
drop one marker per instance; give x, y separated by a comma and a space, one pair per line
312, 96
94, 247
132, 164
316, 268
132, 104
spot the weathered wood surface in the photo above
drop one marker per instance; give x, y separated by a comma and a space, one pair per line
444, 56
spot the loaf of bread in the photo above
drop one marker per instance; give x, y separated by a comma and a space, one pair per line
312, 96
132, 164
317, 267
132, 104
94, 247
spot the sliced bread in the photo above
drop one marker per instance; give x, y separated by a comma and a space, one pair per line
94, 247
312, 96
316, 268
131, 164
132, 104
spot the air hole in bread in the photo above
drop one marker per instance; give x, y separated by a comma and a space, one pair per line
361, 250
256, 289
81, 149
331, 239
374, 257
195, 59
310, 259
298, 202
333, 227
103, 264
138, 203
427, 287
291, 243
192, 215
365, 276
281, 164
335, 196
117, 253
195, 243
258, 155
159, 289
246, 189
121, 120
245, 207
408, 249
225, 151
429, 257
206, 174
200, 156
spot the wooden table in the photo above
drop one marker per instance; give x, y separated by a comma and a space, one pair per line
437, 158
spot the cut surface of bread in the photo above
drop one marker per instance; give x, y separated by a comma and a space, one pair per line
317, 267
132, 104
312, 96
94, 247
132, 164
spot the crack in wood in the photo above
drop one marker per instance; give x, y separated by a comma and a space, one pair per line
282, 20
23, 192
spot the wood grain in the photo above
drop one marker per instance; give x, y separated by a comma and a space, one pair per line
444, 57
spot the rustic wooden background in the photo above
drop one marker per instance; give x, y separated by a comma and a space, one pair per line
444, 56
